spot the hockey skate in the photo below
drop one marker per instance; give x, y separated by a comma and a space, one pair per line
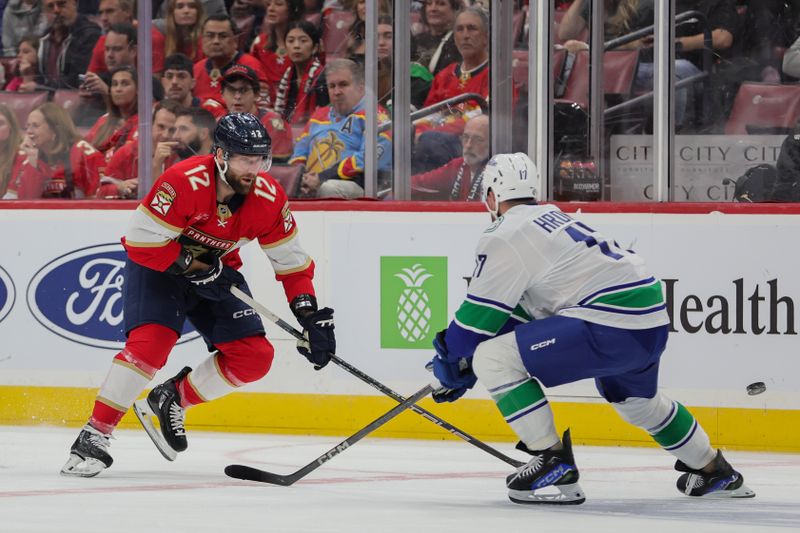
547, 468
164, 403
724, 482
88, 456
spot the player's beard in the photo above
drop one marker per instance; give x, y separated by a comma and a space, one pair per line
237, 184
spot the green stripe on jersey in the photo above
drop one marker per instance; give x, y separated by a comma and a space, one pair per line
520, 314
677, 429
636, 298
488, 319
518, 398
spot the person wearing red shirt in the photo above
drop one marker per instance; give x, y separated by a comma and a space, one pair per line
219, 46
239, 91
460, 179
183, 257
56, 163
269, 47
113, 12
121, 179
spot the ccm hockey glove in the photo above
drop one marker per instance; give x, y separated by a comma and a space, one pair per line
215, 282
455, 375
320, 343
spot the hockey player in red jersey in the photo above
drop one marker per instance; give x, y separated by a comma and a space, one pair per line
183, 251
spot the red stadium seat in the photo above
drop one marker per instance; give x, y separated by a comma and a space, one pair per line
335, 26
288, 176
619, 73
764, 105
519, 67
23, 103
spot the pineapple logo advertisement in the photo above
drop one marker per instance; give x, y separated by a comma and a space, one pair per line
413, 301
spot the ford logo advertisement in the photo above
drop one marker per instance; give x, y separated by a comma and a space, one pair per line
7, 294
78, 296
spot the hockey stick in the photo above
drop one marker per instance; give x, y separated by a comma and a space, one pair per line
249, 473
375, 383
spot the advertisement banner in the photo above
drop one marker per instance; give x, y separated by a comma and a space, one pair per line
413, 300
703, 163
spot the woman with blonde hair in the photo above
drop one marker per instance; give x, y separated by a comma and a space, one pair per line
183, 28
55, 162
10, 139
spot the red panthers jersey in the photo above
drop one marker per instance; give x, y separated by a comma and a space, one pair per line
208, 80
77, 179
181, 211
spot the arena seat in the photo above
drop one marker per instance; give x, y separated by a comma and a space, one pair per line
619, 68
519, 67
335, 26
23, 103
764, 105
288, 176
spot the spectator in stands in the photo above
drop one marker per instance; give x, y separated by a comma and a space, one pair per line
437, 135
420, 76
219, 47
66, 49
332, 145
723, 21
270, 47
182, 28
121, 121
247, 15
435, 48
178, 80
121, 178
787, 183
194, 131
210, 7
460, 178
302, 86
121, 12
10, 139
57, 162
21, 18
356, 42
240, 91
26, 67
120, 48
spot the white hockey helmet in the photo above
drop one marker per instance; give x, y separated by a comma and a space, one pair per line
510, 177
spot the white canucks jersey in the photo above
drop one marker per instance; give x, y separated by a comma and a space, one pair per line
536, 261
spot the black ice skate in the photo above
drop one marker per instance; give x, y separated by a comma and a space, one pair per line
164, 403
547, 468
88, 456
724, 482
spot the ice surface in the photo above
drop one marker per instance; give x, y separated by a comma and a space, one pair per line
380, 485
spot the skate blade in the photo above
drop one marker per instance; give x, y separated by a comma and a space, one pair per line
77, 466
571, 494
145, 415
742, 492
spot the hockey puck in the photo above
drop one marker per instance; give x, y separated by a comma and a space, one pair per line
756, 388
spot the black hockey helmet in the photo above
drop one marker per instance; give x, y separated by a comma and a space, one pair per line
242, 133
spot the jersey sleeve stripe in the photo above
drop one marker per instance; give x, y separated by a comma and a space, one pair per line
269, 245
135, 244
293, 270
618, 288
487, 301
159, 221
481, 318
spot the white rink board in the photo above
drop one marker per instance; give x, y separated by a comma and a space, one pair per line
705, 255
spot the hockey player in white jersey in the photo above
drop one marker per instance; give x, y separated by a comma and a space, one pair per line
552, 301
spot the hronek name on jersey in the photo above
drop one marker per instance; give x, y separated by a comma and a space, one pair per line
753, 308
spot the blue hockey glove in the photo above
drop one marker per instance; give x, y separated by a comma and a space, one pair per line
215, 282
455, 375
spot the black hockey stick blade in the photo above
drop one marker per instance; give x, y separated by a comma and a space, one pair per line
248, 473
347, 367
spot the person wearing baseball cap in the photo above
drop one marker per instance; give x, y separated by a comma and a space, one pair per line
240, 87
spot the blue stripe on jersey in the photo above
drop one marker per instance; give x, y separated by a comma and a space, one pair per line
594, 295
625, 311
489, 302
462, 342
